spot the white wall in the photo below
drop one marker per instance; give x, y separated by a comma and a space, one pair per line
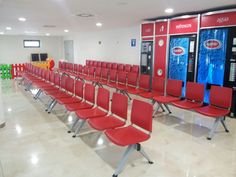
115, 45
13, 51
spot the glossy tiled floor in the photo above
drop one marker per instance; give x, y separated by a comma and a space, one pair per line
35, 144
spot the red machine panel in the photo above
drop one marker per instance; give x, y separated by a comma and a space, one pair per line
160, 56
147, 29
161, 28
216, 20
184, 26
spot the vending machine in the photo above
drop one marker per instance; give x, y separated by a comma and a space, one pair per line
217, 53
146, 56
182, 50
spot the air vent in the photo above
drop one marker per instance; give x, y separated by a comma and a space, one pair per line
85, 15
49, 26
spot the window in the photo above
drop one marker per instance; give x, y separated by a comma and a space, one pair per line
31, 43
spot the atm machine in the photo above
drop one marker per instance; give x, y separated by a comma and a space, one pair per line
146, 61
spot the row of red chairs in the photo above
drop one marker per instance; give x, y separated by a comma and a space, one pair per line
66, 66
126, 83
80, 98
218, 108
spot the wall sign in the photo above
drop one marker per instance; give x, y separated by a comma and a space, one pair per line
184, 26
216, 20
147, 29
133, 42
161, 28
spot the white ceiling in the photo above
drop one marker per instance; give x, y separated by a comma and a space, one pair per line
112, 13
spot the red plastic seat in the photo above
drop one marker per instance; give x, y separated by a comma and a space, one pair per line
135, 69
114, 66
112, 79
104, 65
89, 99
100, 110
218, 108
131, 136
120, 67
119, 108
194, 96
158, 84
121, 81
173, 93
127, 68
104, 77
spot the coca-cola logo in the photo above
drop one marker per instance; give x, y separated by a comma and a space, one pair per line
212, 44
178, 50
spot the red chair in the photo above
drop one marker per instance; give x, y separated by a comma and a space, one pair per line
112, 79
89, 99
104, 65
109, 65
114, 66
120, 67
135, 69
194, 96
97, 76
121, 81
118, 117
158, 87
99, 64
104, 77
100, 110
131, 136
173, 93
218, 108
127, 68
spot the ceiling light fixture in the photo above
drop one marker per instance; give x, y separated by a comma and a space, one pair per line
169, 10
99, 24
47, 34
85, 15
66, 30
8, 28
22, 19
1, 33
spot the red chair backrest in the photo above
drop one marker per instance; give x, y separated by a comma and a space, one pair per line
127, 68
79, 88
64, 79
144, 82
51, 76
91, 71
86, 70
104, 64
158, 84
194, 91
221, 96
89, 93
80, 69
122, 77
174, 87
120, 67
141, 114
114, 66
98, 72
95, 63
113, 75
119, 105
63, 65
57, 79
132, 79
104, 73
135, 69
91, 63
87, 62
99, 64
103, 98
70, 85
76, 68
109, 65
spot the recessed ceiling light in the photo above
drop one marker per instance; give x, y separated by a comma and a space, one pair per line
47, 34
99, 24
169, 10
1, 33
30, 32
85, 15
66, 30
8, 28
22, 19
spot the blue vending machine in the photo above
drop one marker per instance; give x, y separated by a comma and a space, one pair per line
212, 58
182, 59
